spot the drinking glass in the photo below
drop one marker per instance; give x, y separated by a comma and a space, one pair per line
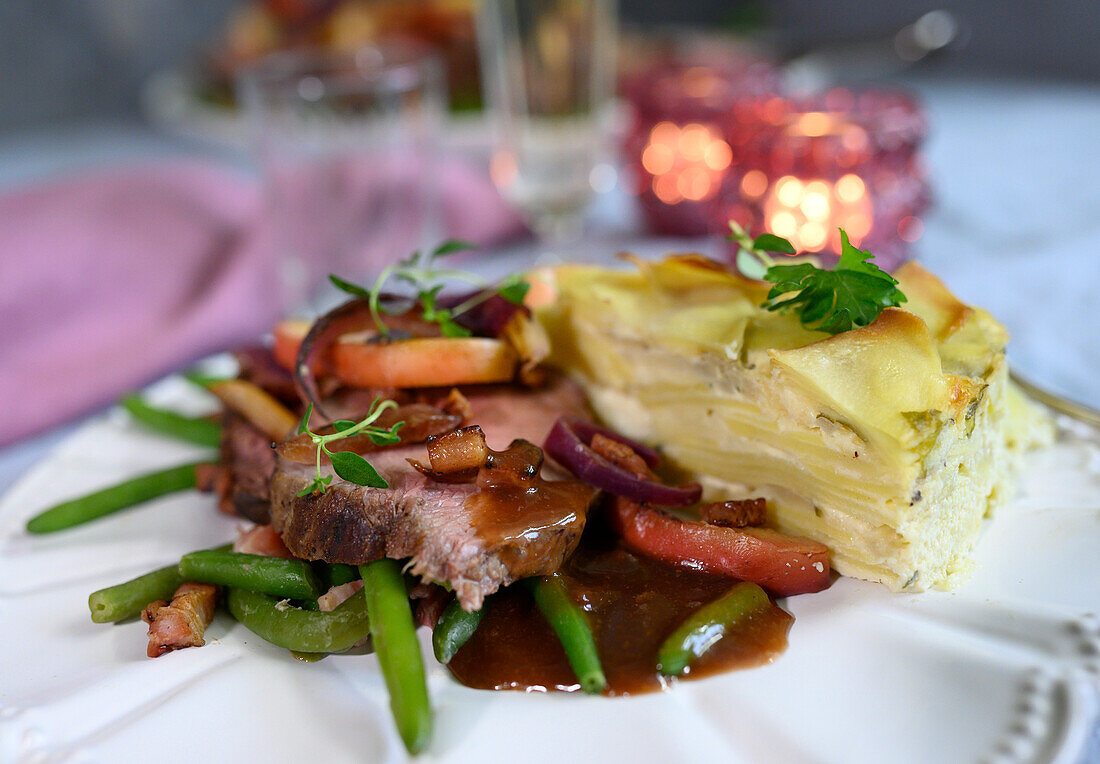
345, 145
548, 67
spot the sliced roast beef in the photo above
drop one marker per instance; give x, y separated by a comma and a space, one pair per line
248, 462
463, 534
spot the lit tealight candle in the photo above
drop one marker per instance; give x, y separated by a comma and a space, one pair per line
686, 162
809, 212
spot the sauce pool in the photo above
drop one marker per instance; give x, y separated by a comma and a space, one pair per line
632, 603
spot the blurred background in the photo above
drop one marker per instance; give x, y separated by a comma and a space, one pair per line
174, 175
74, 60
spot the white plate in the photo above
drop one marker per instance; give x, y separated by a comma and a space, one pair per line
1005, 669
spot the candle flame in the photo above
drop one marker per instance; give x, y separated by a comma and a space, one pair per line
808, 213
686, 162
754, 184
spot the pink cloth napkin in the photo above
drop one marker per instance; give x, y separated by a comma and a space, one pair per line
112, 279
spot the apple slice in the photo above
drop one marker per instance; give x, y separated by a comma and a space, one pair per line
416, 362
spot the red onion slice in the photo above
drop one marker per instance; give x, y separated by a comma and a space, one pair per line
486, 319
586, 431
571, 450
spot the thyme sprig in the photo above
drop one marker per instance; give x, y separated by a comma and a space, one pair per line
419, 270
852, 294
347, 464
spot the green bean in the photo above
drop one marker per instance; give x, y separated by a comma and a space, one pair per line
192, 429
707, 625
307, 657
128, 599
394, 635
202, 380
338, 574
112, 499
116, 603
302, 631
454, 629
571, 625
292, 579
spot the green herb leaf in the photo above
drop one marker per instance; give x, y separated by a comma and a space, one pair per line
319, 484
388, 437
852, 294
854, 259
514, 291
453, 245
419, 272
739, 234
355, 469
343, 424
451, 329
303, 426
750, 265
752, 258
347, 286
769, 242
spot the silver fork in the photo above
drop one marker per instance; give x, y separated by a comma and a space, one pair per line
1073, 409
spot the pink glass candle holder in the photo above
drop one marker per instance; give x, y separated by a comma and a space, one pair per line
710, 144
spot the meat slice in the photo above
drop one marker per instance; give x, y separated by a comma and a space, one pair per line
181, 623
446, 537
248, 461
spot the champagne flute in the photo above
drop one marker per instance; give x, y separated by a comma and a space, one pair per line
548, 67
345, 143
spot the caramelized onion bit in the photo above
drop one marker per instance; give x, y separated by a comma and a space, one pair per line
572, 450
586, 431
458, 404
621, 455
458, 451
531, 343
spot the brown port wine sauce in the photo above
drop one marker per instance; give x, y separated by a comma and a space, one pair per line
632, 603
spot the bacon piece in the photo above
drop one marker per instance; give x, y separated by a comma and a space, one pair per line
737, 513
338, 595
208, 477
621, 455
262, 539
429, 600
183, 622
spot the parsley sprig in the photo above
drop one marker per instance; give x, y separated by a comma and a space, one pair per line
420, 271
347, 464
852, 294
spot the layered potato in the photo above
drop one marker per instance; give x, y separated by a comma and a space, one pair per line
889, 443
